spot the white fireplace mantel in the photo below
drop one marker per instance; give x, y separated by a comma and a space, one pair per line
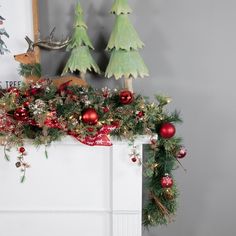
79, 190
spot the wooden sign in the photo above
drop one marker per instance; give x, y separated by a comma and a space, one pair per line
17, 19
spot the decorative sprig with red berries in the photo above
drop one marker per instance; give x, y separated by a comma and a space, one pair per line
21, 163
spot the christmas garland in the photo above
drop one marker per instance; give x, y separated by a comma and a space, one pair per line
43, 113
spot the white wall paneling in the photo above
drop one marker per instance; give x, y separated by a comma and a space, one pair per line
79, 190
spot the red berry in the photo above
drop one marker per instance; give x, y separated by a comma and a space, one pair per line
116, 123
26, 103
140, 114
134, 159
21, 149
90, 129
105, 109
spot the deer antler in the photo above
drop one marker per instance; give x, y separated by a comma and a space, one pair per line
30, 44
51, 44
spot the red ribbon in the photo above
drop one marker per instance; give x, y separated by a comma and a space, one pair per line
99, 139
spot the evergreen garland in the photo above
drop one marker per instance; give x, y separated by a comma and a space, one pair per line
49, 113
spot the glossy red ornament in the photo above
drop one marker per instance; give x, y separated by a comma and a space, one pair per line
166, 181
21, 114
14, 90
181, 153
167, 130
126, 97
34, 91
21, 149
90, 116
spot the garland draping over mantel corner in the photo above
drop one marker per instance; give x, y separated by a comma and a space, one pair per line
44, 113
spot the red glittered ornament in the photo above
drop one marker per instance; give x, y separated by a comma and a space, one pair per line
167, 130
90, 116
181, 153
13, 90
21, 114
126, 97
166, 181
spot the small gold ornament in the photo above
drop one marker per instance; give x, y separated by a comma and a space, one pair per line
168, 100
168, 194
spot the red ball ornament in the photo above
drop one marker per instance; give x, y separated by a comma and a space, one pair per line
181, 153
21, 114
134, 159
13, 90
167, 130
166, 181
21, 149
126, 97
90, 116
34, 91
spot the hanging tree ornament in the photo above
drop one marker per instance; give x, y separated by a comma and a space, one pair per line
90, 116
21, 114
166, 181
181, 153
14, 90
168, 194
167, 130
126, 97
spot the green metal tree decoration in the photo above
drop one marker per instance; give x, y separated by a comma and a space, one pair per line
124, 43
80, 45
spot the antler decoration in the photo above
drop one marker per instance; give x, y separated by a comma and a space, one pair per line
50, 44
30, 44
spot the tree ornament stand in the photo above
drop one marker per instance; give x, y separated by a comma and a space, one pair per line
79, 190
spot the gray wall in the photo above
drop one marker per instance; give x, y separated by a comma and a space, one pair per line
191, 52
